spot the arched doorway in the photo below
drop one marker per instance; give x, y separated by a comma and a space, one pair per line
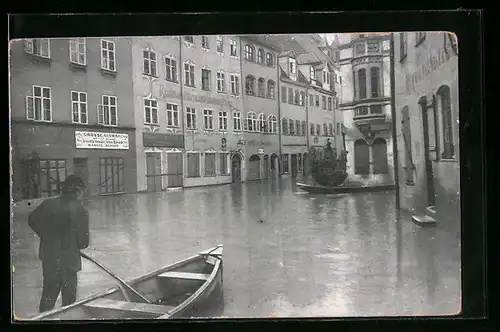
275, 165
426, 119
361, 157
305, 166
379, 155
445, 113
266, 167
236, 167
254, 167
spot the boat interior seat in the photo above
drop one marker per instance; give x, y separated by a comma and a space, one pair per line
184, 275
142, 309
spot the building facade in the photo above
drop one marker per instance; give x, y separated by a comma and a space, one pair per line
188, 105
260, 144
366, 107
71, 112
426, 76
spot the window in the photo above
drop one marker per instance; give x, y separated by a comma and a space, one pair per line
262, 123
325, 129
312, 74
220, 44
221, 82
273, 124
260, 55
284, 157
362, 83
111, 175
107, 113
297, 128
233, 48
223, 162
204, 42
235, 85
209, 164
223, 121
108, 55
150, 111
379, 156
189, 39
323, 102
77, 51
236, 121
419, 38
190, 118
39, 105
149, 62
206, 75
361, 157
296, 97
324, 77
79, 106
317, 100
302, 98
252, 121
291, 125
375, 78
193, 164
329, 103
290, 96
189, 74
376, 109
284, 126
250, 85
293, 66
311, 100
270, 59
403, 46
52, 175
172, 115
330, 129
249, 53
318, 130
170, 69
311, 129
208, 121
39, 47
270, 89
283, 94
261, 87
303, 128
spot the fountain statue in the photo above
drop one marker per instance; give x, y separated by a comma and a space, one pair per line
329, 170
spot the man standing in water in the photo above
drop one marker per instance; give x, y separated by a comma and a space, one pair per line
62, 223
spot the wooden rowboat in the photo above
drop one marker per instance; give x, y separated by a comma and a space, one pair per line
189, 288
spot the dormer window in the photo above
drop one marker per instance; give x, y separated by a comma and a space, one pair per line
293, 66
312, 73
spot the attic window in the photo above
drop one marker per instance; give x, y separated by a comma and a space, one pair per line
311, 73
293, 67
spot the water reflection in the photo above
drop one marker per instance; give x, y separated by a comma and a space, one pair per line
310, 256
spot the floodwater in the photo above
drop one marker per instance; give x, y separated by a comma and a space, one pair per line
312, 255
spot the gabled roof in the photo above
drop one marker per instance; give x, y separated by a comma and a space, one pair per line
290, 54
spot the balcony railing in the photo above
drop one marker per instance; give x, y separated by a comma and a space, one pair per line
368, 47
368, 112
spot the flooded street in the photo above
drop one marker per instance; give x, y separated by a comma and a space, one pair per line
312, 255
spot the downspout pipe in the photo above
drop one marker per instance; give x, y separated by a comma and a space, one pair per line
393, 123
280, 125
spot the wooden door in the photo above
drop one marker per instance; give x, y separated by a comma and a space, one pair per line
174, 170
80, 167
153, 171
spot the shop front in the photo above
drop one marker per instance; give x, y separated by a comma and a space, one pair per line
44, 155
163, 156
262, 157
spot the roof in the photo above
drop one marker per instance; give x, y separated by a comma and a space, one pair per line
307, 58
266, 40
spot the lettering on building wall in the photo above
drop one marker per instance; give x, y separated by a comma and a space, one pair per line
258, 143
431, 64
167, 94
159, 140
101, 140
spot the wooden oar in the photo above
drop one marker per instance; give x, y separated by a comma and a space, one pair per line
122, 284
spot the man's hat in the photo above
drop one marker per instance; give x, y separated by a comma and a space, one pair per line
73, 183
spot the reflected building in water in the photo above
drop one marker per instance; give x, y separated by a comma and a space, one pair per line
426, 76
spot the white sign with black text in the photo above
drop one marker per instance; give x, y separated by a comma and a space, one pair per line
100, 140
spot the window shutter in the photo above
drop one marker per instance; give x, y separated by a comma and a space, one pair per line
28, 45
30, 108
